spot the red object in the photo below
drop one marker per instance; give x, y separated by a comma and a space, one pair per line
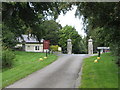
46, 44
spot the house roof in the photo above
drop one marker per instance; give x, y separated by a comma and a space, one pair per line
28, 39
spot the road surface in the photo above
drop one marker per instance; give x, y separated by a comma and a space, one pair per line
63, 73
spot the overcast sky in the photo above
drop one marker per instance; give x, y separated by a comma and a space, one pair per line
70, 19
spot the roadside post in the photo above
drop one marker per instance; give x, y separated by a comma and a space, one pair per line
46, 53
98, 52
49, 51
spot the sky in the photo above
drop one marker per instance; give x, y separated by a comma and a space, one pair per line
70, 19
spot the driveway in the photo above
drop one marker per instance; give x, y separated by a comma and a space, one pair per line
63, 73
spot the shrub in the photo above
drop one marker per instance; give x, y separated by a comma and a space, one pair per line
7, 58
54, 47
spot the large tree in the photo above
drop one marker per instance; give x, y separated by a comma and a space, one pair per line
102, 22
51, 28
69, 32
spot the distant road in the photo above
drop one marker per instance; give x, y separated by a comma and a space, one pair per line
63, 73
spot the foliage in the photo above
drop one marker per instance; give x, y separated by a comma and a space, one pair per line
8, 38
103, 74
25, 63
7, 58
22, 17
102, 19
51, 29
77, 42
54, 47
83, 45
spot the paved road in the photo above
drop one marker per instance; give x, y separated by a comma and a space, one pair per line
63, 73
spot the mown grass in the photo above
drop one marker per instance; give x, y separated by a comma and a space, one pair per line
103, 74
0, 80
24, 64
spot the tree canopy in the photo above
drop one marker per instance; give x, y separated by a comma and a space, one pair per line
22, 17
102, 22
69, 32
51, 29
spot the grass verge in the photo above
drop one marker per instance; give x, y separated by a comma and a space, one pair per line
24, 64
103, 74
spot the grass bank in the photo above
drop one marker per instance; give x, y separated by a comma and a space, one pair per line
103, 74
24, 64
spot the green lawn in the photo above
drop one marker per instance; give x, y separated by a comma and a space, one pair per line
103, 74
24, 64
0, 80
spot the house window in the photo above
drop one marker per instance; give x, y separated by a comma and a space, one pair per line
36, 47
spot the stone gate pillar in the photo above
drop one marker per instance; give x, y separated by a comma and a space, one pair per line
69, 46
90, 46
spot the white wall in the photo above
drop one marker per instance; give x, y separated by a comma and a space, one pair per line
18, 45
31, 47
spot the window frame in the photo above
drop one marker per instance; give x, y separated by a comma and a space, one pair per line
37, 48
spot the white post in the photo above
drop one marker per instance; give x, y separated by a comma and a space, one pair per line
90, 46
42, 40
69, 46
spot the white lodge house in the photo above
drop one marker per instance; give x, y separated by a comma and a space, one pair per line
30, 44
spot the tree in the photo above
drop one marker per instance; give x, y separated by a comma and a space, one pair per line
21, 16
51, 29
8, 38
70, 32
103, 20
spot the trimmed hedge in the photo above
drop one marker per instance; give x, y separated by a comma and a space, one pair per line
54, 47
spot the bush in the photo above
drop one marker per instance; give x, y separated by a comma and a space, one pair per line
54, 47
7, 58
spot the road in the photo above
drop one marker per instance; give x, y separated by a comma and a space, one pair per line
63, 73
